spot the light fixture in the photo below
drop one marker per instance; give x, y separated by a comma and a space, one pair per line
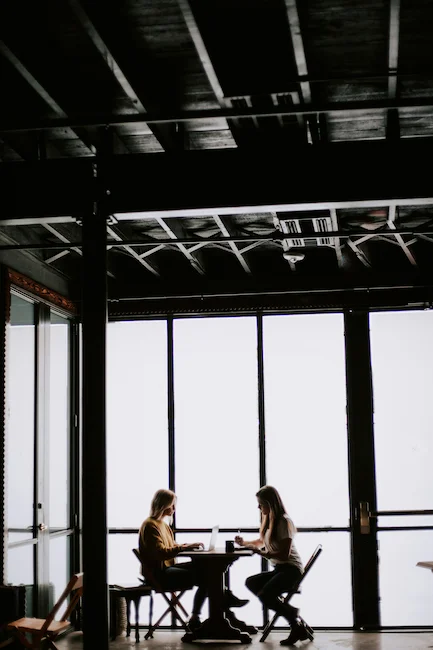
293, 257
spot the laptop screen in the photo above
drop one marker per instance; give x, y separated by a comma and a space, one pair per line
213, 538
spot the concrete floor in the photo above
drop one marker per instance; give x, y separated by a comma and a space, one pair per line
164, 640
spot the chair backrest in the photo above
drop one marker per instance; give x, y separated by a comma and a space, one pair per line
147, 572
73, 588
310, 563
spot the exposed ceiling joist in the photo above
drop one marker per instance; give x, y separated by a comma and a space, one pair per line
41, 91
222, 225
109, 119
192, 259
65, 240
54, 258
112, 64
336, 240
131, 251
33, 221
202, 52
393, 46
359, 254
301, 63
393, 118
62, 238
399, 238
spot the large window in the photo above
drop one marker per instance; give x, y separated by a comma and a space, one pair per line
216, 433
216, 423
402, 368
137, 438
306, 448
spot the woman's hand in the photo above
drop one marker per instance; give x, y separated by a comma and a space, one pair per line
193, 546
240, 540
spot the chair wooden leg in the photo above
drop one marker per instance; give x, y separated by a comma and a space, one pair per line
179, 604
52, 645
309, 630
269, 627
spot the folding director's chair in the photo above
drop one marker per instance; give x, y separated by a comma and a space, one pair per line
172, 599
288, 596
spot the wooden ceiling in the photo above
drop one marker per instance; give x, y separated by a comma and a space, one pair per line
248, 146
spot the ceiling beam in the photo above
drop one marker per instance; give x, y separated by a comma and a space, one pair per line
65, 240
336, 240
203, 54
108, 119
175, 232
301, 66
198, 242
393, 118
391, 224
114, 67
222, 225
8, 153
343, 173
41, 92
131, 251
28, 264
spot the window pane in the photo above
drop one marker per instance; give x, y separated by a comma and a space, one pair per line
59, 422
305, 416
406, 594
20, 395
326, 598
137, 439
402, 368
59, 569
20, 565
216, 421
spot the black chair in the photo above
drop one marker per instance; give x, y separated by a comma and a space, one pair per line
296, 590
172, 600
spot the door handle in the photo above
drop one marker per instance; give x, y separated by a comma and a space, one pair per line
364, 517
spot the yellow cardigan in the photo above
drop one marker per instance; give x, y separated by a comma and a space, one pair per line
157, 545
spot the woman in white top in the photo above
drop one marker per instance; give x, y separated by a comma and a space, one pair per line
276, 544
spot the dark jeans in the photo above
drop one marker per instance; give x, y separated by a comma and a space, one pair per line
271, 584
184, 576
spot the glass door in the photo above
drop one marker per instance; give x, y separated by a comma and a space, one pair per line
402, 371
21, 514
58, 494
38, 452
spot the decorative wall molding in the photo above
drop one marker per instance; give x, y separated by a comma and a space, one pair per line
41, 292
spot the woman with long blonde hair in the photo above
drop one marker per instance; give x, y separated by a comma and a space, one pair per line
158, 550
276, 544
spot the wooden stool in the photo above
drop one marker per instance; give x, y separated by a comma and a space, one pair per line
131, 593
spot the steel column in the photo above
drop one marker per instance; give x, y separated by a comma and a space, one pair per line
94, 522
362, 485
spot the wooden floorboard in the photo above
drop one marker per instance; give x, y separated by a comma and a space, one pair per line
322, 641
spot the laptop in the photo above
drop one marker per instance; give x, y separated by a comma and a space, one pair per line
213, 539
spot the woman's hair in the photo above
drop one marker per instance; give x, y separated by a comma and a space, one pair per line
162, 499
270, 497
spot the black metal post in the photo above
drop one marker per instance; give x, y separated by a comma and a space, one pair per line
4, 319
362, 485
170, 406
94, 522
